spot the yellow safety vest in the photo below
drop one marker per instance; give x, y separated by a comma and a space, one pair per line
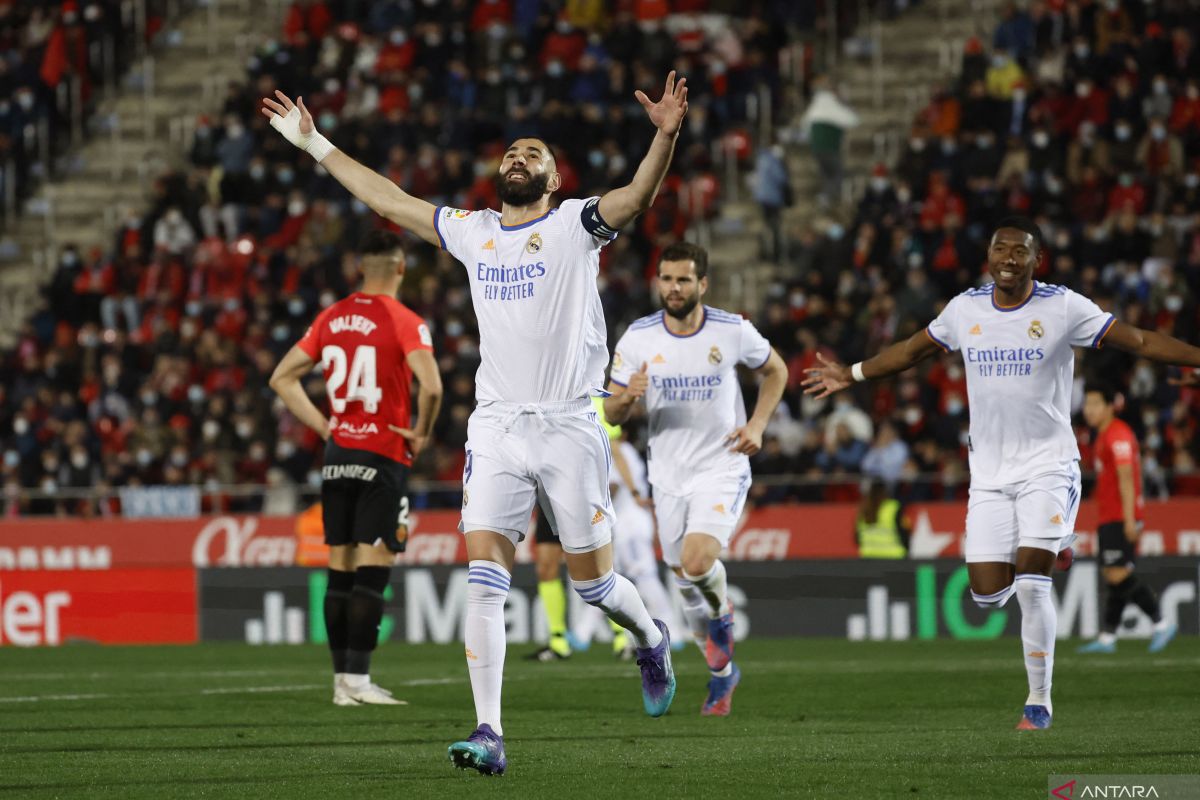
881, 539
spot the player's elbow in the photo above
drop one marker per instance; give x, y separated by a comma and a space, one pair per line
277, 381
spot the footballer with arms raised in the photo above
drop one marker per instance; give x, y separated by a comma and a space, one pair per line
1017, 338
543, 349
683, 360
369, 346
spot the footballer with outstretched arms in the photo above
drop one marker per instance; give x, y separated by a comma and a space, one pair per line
1016, 336
532, 271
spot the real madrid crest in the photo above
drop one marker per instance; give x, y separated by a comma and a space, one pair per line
534, 244
1036, 331
714, 355
466, 498
617, 360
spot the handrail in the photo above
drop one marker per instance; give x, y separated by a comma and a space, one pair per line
418, 486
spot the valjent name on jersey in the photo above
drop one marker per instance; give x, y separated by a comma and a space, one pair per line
352, 323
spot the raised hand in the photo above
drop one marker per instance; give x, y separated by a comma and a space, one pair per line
667, 113
296, 124
826, 379
638, 383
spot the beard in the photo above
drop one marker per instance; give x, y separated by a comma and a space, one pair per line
521, 194
689, 303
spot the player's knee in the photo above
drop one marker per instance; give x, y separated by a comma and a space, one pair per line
697, 564
995, 599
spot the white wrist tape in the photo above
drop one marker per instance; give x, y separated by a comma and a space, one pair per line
312, 143
857, 373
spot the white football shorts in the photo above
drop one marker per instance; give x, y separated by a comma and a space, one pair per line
1039, 512
713, 507
518, 452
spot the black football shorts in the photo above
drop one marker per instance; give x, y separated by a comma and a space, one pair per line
1115, 549
364, 498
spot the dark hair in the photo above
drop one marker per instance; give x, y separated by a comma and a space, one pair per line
686, 251
380, 242
1105, 390
1026, 225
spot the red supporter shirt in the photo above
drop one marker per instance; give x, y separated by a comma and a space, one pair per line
362, 344
1116, 445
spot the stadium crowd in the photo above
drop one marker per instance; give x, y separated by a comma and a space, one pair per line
46, 49
148, 363
1082, 115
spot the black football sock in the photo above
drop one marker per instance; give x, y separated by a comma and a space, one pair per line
1146, 599
337, 600
1114, 607
365, 613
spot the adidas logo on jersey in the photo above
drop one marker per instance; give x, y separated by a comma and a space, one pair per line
975, 330
490, 244
658, 359
1056, 519
598, 517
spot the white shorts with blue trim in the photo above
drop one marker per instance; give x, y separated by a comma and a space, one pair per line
1039, 512
713, 507
556, 453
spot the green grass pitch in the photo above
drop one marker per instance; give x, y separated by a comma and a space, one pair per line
812, 718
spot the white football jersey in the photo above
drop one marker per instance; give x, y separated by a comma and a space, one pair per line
542, 337
1020, 364
694, 399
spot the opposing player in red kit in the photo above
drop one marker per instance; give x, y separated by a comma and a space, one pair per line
1119, 498
369, 346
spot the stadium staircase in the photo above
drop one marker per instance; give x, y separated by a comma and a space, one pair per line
885, 73
138, 131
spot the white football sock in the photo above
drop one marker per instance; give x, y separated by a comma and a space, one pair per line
353, 681
1106, 637
996, 600
712, 585
695, 610
658, 602
487, 587
615, 596
1039, 624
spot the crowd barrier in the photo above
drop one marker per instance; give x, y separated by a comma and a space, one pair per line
793, 571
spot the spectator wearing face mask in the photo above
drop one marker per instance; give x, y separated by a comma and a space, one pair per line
1003, 75
1123, 150
1087, 150
1158, 102
1160, 153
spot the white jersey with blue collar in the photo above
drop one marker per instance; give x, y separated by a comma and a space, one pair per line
542, 337
694, 399
1020, 368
